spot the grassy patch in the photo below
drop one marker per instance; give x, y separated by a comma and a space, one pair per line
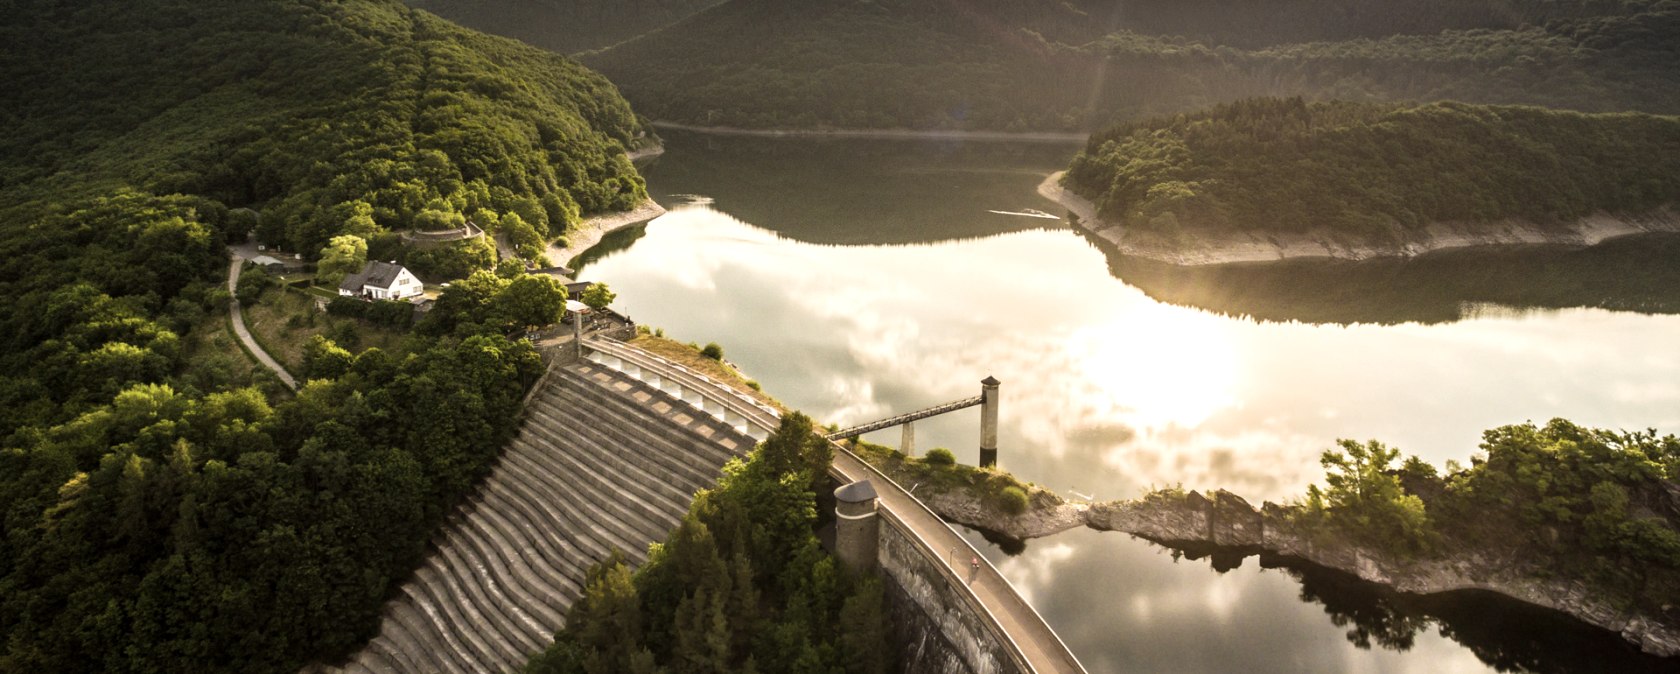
996, 489
214, 359
283, 321
689, 356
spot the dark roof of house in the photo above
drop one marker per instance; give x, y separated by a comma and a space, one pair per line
374, 273
578, 287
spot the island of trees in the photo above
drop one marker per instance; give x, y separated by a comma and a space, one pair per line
1371, 175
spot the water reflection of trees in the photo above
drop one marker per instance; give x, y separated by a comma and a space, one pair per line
1508, 635
1637, 273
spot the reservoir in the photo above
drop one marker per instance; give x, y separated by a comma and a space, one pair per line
858, 279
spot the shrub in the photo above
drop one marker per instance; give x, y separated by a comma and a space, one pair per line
1013, 500
349, 307
939, 456
712, 351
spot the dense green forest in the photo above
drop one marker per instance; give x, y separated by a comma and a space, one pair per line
156, 517
565, 26
740, 586
1581, 503
1043, 65
1368, 172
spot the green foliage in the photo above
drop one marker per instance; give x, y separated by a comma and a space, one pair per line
329, 118
154, 523
939, 456
598, 296
235, 523
486, 302
253, 283
1577, 490
531, 301
1019, 65
1013, 500
453, 260
565, 27
325, 359
1373, 172
1365, 500
712, 351
343, 255
740, 585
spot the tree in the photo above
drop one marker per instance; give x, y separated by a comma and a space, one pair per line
598, 296
324, 359
344, 254
531, 301
1365, 499
525, 239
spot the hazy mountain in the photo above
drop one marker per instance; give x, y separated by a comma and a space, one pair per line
565, 26
1046, 65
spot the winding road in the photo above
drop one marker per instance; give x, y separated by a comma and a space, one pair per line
244, 335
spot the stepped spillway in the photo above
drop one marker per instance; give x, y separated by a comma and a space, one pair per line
602, 462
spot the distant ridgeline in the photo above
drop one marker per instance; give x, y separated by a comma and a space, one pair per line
565, 26
163, 512
1041, 65
1370, 172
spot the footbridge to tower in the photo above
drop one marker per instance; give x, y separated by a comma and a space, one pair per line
987, 401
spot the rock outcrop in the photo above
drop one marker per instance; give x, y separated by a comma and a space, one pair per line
1227, 520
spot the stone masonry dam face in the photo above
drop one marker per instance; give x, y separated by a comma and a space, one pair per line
603, 462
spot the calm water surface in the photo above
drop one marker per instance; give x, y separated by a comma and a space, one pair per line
860, 279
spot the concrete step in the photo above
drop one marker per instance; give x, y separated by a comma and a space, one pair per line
669, 445
429, 655
526, 587
589, 536
546, 582
435, 630
627, 392
399, 645
615, 526
511, 621
649, 480
450, 617
563, 570
604, 495
473, 614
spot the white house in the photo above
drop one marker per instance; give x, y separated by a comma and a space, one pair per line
381, 281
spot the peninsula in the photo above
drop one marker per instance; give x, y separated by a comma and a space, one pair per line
1579, 520
1268, 179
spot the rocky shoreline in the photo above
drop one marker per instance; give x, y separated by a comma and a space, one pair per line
1225, 520
906, 134
592, 230
1209, 248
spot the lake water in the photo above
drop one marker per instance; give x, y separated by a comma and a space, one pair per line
858, 279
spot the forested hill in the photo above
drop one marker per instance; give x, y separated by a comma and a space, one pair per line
1048, 65
324, 115
162, 509
565, 26
1370, 172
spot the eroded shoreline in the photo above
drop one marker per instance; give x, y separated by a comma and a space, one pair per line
1244, 247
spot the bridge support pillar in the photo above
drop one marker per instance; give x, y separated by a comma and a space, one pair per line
907, 445
988, 421
856, 526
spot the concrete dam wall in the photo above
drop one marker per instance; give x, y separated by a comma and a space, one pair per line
603, 462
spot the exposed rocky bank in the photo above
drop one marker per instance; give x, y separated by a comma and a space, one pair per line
1226, 520
1205, 247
